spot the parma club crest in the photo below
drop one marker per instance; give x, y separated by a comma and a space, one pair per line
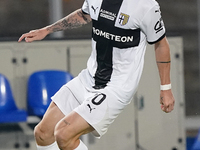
123, 19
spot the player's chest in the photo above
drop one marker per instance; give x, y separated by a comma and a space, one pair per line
111, 13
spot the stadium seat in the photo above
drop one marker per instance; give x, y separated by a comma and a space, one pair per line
9, 113
196, 145
41, 86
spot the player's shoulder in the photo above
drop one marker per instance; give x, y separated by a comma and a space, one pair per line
148, 4
145, 7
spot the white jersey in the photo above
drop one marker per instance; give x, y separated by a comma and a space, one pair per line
121, 29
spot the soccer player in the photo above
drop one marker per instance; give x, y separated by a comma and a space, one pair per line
92, 100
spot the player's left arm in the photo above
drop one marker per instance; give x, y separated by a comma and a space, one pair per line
162, 52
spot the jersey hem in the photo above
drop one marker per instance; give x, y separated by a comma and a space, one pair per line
157, 40
84, 12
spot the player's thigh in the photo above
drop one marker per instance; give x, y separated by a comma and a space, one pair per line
52, 116
72, 126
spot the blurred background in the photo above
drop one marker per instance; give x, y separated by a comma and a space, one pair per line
181, 18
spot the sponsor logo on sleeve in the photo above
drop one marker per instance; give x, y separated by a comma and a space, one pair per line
159, 25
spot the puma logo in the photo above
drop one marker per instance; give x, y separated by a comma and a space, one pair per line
90, 108
94, 9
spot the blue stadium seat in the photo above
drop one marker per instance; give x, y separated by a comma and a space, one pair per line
196, 145
9, 113
41, 86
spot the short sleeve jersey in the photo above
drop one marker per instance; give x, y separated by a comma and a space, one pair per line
120, 31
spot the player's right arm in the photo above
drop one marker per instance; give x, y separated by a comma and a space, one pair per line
73, 20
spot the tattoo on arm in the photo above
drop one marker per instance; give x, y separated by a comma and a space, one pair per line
74, 20
63, 24
67, 123
161, 98
163, 61
87, 20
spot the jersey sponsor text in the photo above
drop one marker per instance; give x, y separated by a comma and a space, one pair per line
113, 37
108, 15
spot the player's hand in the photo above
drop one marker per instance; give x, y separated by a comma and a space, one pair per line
34, 35
167, 101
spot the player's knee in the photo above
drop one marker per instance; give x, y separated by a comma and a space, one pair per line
64, 137
41, 134
65, 143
